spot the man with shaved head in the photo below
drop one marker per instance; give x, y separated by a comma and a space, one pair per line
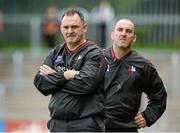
129, 75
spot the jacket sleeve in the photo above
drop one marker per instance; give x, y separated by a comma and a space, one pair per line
157, 96
89, 77
48, 84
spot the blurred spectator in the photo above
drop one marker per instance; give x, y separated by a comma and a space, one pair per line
50, 26
1, 22
102, 15
1, 27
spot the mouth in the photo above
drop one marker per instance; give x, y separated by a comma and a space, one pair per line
71, 37
122, 40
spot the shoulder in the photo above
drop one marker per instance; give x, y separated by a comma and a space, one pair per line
57, 49
137, 57
92, 45
138, 60
106, 52
93, 49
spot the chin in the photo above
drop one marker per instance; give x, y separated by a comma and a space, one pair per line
71, 41
122, 45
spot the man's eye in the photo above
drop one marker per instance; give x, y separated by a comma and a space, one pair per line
65, 27
74, 27
120, 29
129, 31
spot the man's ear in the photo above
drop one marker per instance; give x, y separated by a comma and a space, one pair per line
60, 27
112, 35
85, 27
134, 40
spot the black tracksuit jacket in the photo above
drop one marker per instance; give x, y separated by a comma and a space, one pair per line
84, 95
125, 81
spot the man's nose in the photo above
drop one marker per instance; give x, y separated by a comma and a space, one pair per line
123, 32
70, 30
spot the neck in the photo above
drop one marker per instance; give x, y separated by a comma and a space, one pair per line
72, 46
120, 52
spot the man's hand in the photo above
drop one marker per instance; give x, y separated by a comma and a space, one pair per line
69, 74
140, 121
45, 70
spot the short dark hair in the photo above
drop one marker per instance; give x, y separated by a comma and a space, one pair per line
71, 12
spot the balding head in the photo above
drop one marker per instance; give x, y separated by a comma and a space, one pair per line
126, 23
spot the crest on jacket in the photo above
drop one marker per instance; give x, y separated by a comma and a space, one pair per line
131, 70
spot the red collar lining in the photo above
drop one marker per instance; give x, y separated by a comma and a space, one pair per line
79, 47
122, 58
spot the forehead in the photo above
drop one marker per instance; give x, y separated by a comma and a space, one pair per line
71, 19
126, 24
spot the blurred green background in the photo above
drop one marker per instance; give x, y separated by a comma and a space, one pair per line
158, 24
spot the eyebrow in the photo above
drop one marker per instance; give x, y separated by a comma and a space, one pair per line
119, 28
